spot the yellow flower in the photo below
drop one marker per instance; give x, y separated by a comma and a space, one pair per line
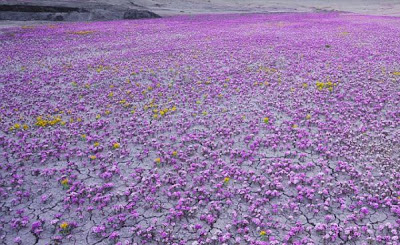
25, 126
266, 119
204, 113
40, 122
111, 94
64, 225
157, 160
320, 85
64, 181
295, 126
92, 157
116, 145
17, 126
98, 116
396, 73
96, 144
226, 179
308, 117
174, 153
83, 136
263, 233
107, 112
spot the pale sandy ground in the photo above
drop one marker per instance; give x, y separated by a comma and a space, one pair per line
184, 7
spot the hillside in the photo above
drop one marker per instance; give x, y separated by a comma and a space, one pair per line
74, 10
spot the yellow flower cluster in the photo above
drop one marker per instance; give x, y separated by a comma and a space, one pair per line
150, 105
100, 68
157, 160
226, 179
328, 85
17, 126
266, 120
163, 112
49, 122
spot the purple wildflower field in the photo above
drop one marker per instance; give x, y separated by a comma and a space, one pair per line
209, 129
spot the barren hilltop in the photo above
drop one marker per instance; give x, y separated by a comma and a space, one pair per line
74, 10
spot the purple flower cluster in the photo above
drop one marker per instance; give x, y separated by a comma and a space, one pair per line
211, 129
